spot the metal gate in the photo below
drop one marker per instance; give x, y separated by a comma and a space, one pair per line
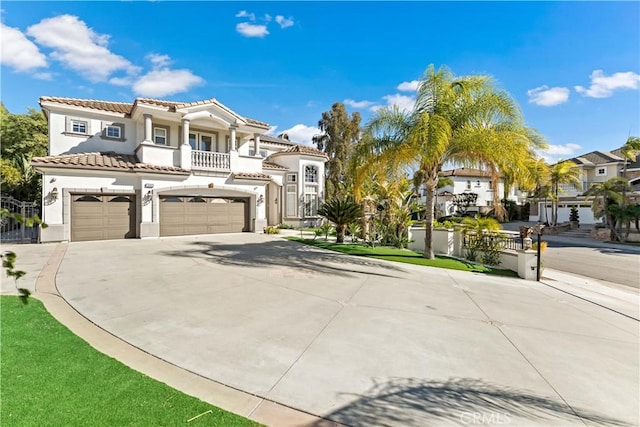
15, 231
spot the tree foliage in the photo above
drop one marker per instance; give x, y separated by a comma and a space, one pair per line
340, 133
24, 136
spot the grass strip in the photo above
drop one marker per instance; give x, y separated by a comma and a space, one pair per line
404, 255
52, 377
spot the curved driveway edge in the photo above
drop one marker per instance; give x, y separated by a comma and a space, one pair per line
230, 399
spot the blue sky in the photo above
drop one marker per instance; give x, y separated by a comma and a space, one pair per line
573, 67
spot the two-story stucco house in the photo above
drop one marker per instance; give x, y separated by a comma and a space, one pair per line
469, 180
161, 168
595, 167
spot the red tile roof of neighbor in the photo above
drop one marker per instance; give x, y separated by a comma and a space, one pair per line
126, 107
252, 176
266, 164
467, 172
301, 149
107, 160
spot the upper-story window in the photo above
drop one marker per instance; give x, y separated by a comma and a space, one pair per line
77, 126
478, 183
113, 131
602, 171
490, 185
468, 185
263, 153
160, 135
310, 174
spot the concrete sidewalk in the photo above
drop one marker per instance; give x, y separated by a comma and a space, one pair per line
349, 339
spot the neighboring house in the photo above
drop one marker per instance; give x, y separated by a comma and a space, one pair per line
595, 167
468, 180
161, 168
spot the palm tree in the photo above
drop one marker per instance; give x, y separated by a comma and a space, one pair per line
562, 173
341, 212
607, 194
629, 151
465, 121
537, 180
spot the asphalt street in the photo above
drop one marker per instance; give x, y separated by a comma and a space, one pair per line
616, 265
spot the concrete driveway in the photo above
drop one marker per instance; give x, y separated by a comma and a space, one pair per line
358, 341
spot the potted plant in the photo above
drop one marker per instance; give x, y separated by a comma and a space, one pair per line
574, 217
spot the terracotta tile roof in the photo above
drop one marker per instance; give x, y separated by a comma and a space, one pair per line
301, 149
126, 107
253, 176
270, 139
114, 107
467, 172
266, 164
106, 160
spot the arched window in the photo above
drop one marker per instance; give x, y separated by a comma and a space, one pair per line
311, 174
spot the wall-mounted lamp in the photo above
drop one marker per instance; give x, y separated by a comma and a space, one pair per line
54, 194
147, 197
260, 199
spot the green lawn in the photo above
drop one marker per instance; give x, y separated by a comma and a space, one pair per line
403, 255
52, 377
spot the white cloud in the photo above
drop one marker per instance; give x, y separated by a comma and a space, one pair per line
18, 52
562, 150
547, 97
122, 81
403, 102
252, 30
163, 82
43, 76
272, 130
302, 133
80, 48
159, 61
284, 22
603, 86
267, 17
358, 104
411, 86
245, 14
554, 153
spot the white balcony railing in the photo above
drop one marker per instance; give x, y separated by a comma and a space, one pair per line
210, 160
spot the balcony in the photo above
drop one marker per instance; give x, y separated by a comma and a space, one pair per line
209, 160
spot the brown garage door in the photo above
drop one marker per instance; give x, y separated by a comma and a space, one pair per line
102, 217
185, 215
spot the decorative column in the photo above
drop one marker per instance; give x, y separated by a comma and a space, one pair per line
147, 128
256, 144
232, 137
185, 131
185, 148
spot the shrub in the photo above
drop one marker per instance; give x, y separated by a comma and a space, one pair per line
271, 229
354, 230
573, 215
285, 226
341, 212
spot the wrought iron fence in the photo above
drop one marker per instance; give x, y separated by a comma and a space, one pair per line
507, 241
14, 231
